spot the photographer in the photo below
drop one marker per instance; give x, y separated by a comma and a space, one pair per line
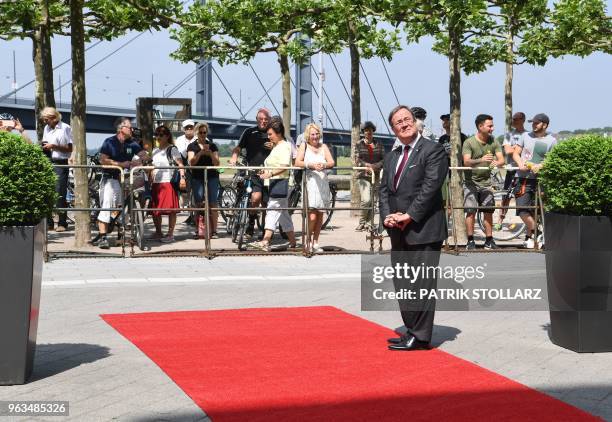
57, 143
8, 123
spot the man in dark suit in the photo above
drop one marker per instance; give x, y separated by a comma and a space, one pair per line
411, 210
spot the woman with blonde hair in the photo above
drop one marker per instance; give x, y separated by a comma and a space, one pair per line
315, 157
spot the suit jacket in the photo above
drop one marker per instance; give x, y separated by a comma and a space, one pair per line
418, 193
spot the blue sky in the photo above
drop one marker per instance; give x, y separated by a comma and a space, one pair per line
574, 92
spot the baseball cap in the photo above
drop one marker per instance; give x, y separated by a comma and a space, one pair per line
540, 117
188, 122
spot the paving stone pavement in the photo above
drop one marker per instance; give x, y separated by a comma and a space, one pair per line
83, 360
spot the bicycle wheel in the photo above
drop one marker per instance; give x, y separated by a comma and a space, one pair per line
511, 227
227, 199
294, 199
243, 221
139, 217
328, 214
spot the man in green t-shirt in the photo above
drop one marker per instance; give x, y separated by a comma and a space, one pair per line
480, 150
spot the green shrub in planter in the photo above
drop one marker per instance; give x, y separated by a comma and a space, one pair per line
577, 176
27, 182
577, 182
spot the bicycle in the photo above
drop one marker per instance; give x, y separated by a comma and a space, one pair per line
296, 194
133, 216
240, 218
512, 226
229, 197
94, 175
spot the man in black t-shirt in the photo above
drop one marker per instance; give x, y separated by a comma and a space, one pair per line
254, 141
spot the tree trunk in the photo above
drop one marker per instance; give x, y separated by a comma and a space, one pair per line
43, 67
455, 128
355, 115
509, 78
82, 229
283, 59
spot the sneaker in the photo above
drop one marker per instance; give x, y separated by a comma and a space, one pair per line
471, 245
95, 240
167, 239
103, 243
528, 243
262, 246
215, 235
317, 249
497, 226
491, 245
540, 241
360, 227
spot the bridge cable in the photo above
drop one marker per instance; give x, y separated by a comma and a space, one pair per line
100, 61
389, 78
329, 101
228, 93
375, 99
34, 80
315, 91
340, 77
264, 95
264, 88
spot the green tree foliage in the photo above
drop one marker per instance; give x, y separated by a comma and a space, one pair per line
577, 176
234, 31
27, 182
355, 24
576, 27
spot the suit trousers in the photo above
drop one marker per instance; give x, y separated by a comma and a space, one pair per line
418, 312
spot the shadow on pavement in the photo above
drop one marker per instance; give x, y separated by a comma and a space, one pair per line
53, 359
441, 334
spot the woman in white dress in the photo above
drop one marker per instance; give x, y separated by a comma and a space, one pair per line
163, 193
315, 157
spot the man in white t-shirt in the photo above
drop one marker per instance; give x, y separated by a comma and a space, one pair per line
182, 142
57, 141
529, 155
511, 139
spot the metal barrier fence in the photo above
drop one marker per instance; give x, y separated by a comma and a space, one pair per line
538, 206
127, 192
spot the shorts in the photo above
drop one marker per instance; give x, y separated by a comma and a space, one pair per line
257, 184
197, 186
509, 178
477, 196
527, 199
110, 197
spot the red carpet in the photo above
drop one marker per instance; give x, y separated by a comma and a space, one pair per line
292, 364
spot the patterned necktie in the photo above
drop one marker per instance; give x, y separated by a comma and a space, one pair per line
398, 173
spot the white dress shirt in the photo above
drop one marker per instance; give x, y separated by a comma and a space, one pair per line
60, 135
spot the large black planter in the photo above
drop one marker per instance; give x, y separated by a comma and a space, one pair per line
579, 276
21, 260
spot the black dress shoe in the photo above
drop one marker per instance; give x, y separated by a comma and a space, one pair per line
410, 343
395, 340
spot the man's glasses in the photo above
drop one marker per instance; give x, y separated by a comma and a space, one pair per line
405, 121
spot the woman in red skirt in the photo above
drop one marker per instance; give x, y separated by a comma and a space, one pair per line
164, 195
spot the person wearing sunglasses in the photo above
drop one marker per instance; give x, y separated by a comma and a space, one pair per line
203, 152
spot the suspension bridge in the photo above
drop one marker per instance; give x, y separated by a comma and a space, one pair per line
307, 83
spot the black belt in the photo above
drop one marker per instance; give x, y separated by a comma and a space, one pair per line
57, 161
